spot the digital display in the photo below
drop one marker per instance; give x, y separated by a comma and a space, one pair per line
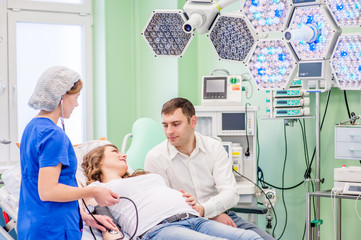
355, 188
303, 1
215, 86
233, 121
312, 69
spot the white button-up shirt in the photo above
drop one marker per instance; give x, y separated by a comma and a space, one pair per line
206, 173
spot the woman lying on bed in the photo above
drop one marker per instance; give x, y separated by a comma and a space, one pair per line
163, 212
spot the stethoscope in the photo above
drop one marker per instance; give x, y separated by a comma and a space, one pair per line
62, 116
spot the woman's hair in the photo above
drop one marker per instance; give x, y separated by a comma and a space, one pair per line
92, 165
76, 87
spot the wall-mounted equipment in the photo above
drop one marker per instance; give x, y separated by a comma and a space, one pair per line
222, 90
235, 126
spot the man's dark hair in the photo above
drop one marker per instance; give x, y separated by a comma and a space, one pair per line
182, 103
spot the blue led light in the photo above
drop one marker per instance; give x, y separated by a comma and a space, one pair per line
255, 2
261, 58
322, 39
309, 19
359, 68
312, 46
269, 21
276, 1
343, 54
344, 69
278, 13
271, 50
282, 70
272, 78
339, 7
261, 71
282, 57
257, 15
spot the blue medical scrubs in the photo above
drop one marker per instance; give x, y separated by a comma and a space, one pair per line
44, 144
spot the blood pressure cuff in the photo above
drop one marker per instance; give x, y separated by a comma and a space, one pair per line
105, 211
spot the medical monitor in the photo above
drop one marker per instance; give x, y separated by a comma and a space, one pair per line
221, 90
215, 88
233, 122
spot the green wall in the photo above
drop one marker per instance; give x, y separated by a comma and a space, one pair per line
136, 84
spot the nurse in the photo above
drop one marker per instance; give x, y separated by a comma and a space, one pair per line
48, 205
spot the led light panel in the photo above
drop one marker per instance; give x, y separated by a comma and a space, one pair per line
345, 12
164, 33
318, 19
267, 15
346, 62
231, 37
272, 65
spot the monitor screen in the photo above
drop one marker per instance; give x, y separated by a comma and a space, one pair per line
233, 121
215, 85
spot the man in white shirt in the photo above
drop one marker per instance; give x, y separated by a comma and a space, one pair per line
198, 165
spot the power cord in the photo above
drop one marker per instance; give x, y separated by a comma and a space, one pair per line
283, 182
274, 212
246, 153
356, 206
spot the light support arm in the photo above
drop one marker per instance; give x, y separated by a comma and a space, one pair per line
202, 14
308, 33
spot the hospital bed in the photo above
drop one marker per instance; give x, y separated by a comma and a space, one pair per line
146, 133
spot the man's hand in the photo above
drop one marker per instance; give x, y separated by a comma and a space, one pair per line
225, 219
105, 220
189, 198
200, 209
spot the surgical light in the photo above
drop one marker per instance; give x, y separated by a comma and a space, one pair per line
345, 12
168, 32
272, 64
312, 32
267, 15
346, 62
231, 37
164, 33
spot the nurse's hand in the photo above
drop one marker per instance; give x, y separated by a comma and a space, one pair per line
105, 197
105, 220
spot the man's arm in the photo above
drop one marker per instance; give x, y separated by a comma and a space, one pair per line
225, 183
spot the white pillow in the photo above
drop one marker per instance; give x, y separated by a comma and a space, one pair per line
80, 152
12, 179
